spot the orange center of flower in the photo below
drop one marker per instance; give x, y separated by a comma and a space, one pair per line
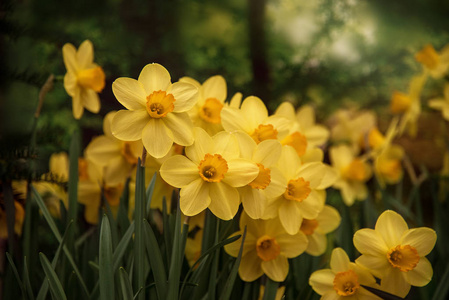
346, 283
391, 169
308, 226
93, 78
400, 102
405, 258
82, 169
264, 132
159, 104
128, 153
262, 180
210, 112
297, 190
355, 171
428, 57
112, 194
375, 138
213, 168
298, 141
267, 248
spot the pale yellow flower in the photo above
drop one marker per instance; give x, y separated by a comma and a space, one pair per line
252, 118
156, 110
353, 173
343, 280
118, 158
396, 254
388, 165
436, 64
316, 229
268, 184
84, 79
304, 190
209, 174
266, 249
18, 220
442, 103
211, 96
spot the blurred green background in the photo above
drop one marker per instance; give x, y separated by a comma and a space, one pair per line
333, 53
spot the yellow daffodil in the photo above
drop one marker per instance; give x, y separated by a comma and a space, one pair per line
118, 158
268, 184
442, 103
343, 280
84, 79
211, 96
353, 173
156, 110
304, 190
316, 229
18, 223
279, 293
396, 254
252, 118
209, 174
388, 165
90, 189
304, 132
409, 105
436, 64
266, 249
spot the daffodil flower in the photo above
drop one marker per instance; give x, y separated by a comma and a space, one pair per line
388, 165
117, 157
442, 103
209, 174
211, 96
266, 249
156, 110
84, 79
316, 229
252, 118
436, 64
353, 173
343, 280
396, 254
304, 190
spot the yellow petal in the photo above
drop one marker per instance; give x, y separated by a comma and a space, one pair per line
319, 175
390, 225
128, 125
157, 138
255, 227
341, 156
91, 213
438, 103
277, 185
226, 144
236, 100
286, 110
292, 245
85, 55
332, 295
317, 135
154, 77
70, 84
234, 247
69, 57
102, 149
289, 162
254, 201
313, 204
179, 171
421, 274
233, 119
306, 116
328, 220
377, 265
276, 269
130, 93
185, 95
267, 152
240, 172
203, 145
225, 200
422, 239
322, 281
90, 100
194, 198
290, 216
215, 87
246, 144
317, 244
116, 171
250, 267
339, 260
369, 241
181, 127
254, 110
77, 106
395, 283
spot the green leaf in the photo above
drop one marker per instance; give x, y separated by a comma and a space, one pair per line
16, 274
73, 186
214, 269
442, 291
112, 222
381, 294
234, 271
26, 279
55, 285
139, 239
105, 258
56, 233
149, 192
127, 291
156, 262
271, 288
122, 246
176, 258
166, 225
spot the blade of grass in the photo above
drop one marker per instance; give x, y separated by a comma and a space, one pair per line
105, 258
73, 187
112, 222
382, 294
214, 268
175, 266
139, 241
55, 284
156, 262
127, 291
26, 279
122, 214
271, 288
442, 291
122, 246
16, 274
149, 192
166, 226
54, 229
